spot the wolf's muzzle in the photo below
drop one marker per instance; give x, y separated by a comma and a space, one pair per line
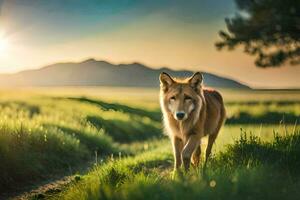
180, 115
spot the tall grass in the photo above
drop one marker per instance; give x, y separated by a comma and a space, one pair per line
30, 152
41, 136
249, 168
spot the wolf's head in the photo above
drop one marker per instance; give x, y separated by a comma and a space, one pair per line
181, 97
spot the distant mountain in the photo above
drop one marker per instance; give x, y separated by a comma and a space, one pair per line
101, 73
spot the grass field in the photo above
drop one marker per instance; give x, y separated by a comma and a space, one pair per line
51, 131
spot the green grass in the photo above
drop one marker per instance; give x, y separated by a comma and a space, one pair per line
249, 168
42, 136
29, 152
48, 132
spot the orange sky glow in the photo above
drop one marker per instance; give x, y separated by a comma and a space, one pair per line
156, 39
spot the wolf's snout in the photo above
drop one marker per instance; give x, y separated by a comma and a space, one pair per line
180, 115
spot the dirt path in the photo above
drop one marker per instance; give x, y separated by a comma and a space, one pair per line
46, 190
53, 185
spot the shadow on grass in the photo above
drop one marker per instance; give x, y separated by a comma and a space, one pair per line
265, 103
122, 131
19, 105
266, 118
154, 115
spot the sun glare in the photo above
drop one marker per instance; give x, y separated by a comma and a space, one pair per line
3, 44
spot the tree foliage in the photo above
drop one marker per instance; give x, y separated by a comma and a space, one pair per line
267, 29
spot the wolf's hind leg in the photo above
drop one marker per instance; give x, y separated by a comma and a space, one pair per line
211, 140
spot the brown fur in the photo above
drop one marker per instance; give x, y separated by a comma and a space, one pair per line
204, 115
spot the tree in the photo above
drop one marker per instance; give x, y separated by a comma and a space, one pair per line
267, 29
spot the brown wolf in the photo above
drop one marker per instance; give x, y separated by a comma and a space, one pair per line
190, 112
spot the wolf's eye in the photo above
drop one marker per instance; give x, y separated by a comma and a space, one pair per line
186, 98
172, 98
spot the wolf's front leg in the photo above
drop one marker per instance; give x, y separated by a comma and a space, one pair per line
193, 141
177, 149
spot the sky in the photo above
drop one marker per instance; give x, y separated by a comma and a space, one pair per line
179, 34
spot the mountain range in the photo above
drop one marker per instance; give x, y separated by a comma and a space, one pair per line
92, 72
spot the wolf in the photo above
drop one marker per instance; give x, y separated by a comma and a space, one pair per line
190, 112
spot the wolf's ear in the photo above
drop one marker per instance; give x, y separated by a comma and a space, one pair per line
196, 81
165, 80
